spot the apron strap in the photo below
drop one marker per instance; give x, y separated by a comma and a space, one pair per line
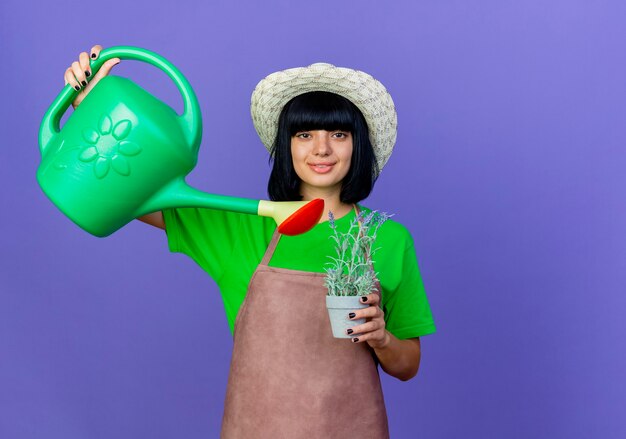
269, 252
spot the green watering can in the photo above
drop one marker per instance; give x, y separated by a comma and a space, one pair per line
123, 153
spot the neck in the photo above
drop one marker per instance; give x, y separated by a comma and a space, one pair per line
332, 202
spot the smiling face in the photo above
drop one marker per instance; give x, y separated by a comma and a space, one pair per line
321, 159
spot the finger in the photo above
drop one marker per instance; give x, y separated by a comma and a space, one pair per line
108, 65
79, 73
372, 299
104, 70
83, 60
95, 51
374, 337
71, 79
369, 312
370, 326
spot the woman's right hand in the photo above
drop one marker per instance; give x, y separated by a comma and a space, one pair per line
76, 75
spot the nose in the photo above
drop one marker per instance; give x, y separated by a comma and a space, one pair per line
322, 144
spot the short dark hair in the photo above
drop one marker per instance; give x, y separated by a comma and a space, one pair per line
320, 110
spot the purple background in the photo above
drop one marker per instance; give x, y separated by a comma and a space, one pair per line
509, 171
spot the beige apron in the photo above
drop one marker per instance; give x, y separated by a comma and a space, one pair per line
289, 377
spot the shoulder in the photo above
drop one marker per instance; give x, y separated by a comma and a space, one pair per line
396, 230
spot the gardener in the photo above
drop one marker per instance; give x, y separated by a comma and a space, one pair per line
329, 131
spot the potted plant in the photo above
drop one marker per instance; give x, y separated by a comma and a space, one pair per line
351, 273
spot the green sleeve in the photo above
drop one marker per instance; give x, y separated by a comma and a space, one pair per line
208, 236
407, 312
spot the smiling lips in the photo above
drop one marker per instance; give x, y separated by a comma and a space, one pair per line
321, 168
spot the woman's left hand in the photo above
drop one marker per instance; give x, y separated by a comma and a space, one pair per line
373, 330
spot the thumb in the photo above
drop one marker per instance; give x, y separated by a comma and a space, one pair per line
104, 71
106, 68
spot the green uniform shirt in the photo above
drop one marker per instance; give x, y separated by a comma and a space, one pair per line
229, 247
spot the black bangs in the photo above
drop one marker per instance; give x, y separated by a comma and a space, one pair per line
319, 110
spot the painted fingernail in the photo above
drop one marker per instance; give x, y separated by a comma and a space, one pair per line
87, 74
77, 88
84, 83
354, 340
349, 331
352, 315
93, 55
363, 299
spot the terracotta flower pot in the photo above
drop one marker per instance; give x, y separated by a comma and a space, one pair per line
338, 309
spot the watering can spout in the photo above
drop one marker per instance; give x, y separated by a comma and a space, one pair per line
291, 217
179, 194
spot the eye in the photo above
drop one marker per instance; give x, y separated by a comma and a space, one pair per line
303, 135
340, 134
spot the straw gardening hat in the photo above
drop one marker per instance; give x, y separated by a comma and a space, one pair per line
370, 96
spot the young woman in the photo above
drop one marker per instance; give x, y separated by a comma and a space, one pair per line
329, 131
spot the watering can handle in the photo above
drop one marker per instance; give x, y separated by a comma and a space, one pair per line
191, 120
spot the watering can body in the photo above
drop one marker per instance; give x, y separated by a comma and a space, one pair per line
123, 153
119, 151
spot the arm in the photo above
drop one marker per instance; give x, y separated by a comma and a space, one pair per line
154, 219
399, 358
